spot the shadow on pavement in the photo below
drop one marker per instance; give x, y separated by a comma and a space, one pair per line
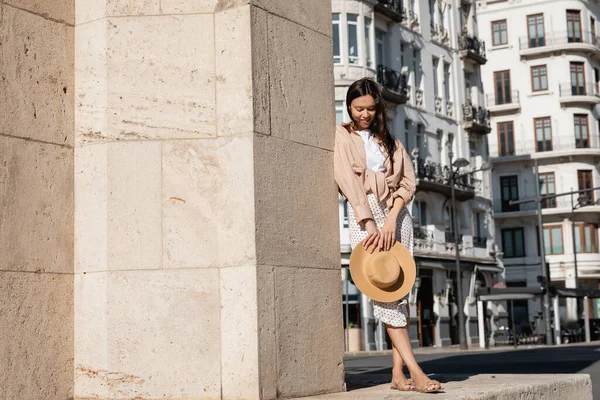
461, 366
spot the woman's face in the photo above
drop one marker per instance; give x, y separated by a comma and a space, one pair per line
363, 111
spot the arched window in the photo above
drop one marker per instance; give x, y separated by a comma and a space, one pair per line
419, 213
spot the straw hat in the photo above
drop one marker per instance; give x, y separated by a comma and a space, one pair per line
384, 276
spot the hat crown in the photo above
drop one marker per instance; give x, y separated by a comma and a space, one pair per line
383, 270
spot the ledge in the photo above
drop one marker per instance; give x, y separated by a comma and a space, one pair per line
487, 387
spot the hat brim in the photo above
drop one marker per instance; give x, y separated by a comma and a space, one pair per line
358, 269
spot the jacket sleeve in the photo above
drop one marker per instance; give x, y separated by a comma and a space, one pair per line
407, 183
349, 183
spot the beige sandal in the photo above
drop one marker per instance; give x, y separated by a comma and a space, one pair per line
401, 385
424, 388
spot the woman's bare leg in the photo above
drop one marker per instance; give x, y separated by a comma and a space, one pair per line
398, 373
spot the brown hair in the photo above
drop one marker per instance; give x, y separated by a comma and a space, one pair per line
380, 126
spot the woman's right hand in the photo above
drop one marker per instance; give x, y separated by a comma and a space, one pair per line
372, 239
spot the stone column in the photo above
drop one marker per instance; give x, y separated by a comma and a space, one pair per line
180, 187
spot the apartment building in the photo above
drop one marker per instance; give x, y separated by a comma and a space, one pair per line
427, 58
541, 80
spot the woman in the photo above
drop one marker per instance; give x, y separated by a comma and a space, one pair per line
375, 175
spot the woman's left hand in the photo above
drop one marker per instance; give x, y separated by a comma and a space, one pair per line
387, 236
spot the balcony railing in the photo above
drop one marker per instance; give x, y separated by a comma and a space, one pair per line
451, 238
393, 82
557, 39
501, 99
422, 234
391, 9
578, 89
523, 145
561, 204
479, 242
476, 118
437, 173
472, 47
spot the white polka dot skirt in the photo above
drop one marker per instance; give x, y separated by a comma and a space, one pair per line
394, 313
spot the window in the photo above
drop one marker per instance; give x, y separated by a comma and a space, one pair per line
539, 78
436, 63
478, 239
543, 134
380, 46
584, 181
577, 79
582, 138
499, 36
593, 27
535, 30
419, 137
553, 241
506, 139
502, 87
449, 222
337, 58
586, 240
368, 41
513, 242
353, 38
447, 82
419, 214
547, 187
339, 112
509, 187
417, 68
574, 26
345, 207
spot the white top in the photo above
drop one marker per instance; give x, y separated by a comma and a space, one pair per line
374, 151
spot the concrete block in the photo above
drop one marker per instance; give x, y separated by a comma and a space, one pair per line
134, 205
260, 72
132, 7
161, 335
310, 344
267, 331
188, 6
233, 49
60, 11
36, 80
89, 10
36, 206
301, 83
208, 203
36, 339
286, 175
91, 208
161, 77
312, 14
239, 325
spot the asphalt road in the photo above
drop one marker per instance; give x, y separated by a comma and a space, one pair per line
365, 371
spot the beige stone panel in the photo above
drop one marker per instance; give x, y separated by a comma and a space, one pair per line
267, 331
296, 205
190, 6
260, 71
134, 205
162, 335
91, 206
161, 77
132, 7
36, 206
56, 10
36, 79
89, 10
90, 82
208, 202
309, 331
239, 333
301, 84
36, 338
233, 49
313, 14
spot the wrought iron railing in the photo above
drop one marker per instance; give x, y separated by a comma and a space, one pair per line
422, 234
471, 44
451, 238
436, 173
393, 5
392, 80
578, 89
479, 242
499, 99
558, 39
476, 114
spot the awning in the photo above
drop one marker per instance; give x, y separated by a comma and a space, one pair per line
489, 268
577, 293
509, 293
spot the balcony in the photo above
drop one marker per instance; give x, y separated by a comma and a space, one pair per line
434, 177
557, 42
503, 104
579, 94
451, 240
439, 35
558, 206
395, 86
476, 119
410, 19
479, 242
390, 8
472, 49
526, 147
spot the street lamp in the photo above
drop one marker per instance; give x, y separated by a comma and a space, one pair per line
459, 163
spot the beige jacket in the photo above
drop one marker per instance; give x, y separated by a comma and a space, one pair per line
356, 181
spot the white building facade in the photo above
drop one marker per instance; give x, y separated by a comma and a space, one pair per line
426, 57
542, 80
